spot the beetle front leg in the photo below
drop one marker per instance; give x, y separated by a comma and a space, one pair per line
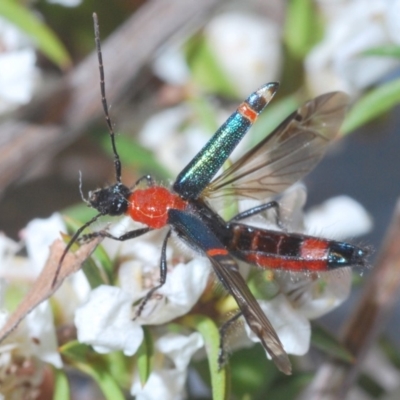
126, 236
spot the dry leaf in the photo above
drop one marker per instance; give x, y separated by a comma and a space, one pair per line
42, 288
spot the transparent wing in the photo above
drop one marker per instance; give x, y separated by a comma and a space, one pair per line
287, 154
226, 270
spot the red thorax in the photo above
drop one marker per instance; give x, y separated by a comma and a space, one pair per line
150, 206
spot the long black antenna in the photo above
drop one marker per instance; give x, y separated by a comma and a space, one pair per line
117, 161
69, 245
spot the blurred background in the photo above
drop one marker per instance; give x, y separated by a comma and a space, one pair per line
174, 70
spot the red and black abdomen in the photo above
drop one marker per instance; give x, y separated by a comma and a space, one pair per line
293, 252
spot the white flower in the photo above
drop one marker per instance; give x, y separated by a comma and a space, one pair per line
247, 47
25, 351
38, 235
18, 73
339, 217
139, 273
176, 145
292, 328
313, 297
105, 321
247, 60
12, 267
167, 381
336, 62
170, 65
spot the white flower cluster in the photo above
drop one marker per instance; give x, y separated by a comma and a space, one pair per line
352, 27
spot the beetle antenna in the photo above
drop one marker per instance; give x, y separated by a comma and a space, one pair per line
117, 161
69, 245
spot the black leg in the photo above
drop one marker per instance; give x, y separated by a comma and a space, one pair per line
126, 236
148, 178
222, 335
163, 276
259, 209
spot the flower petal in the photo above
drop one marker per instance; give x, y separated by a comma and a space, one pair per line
293, 329
180, 348
41, 330
104, 321
185, 284
339, 217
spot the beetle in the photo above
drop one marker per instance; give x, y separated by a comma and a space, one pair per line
278, 161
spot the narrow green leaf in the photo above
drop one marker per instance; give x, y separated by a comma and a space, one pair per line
104, 379
145, 356
120, 367
303, 27
372, 105
44, 38
327, 343
384, 51
83, 358
207, 328
61, 385
93, 273
76, 351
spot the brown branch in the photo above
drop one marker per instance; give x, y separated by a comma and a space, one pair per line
334, 379
50, 123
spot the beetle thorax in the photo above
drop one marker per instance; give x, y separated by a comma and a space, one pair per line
150, 206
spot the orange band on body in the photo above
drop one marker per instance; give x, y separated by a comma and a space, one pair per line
246, 111
217, 252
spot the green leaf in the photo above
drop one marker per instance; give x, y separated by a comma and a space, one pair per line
327, 343
44, 38
290, 387
93, 273
76, 351
372, 105
145, 357
205, 69
303, 27
61, 385
120, 367
383, 51
80, 213
86, 360
252, 373
207, 328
